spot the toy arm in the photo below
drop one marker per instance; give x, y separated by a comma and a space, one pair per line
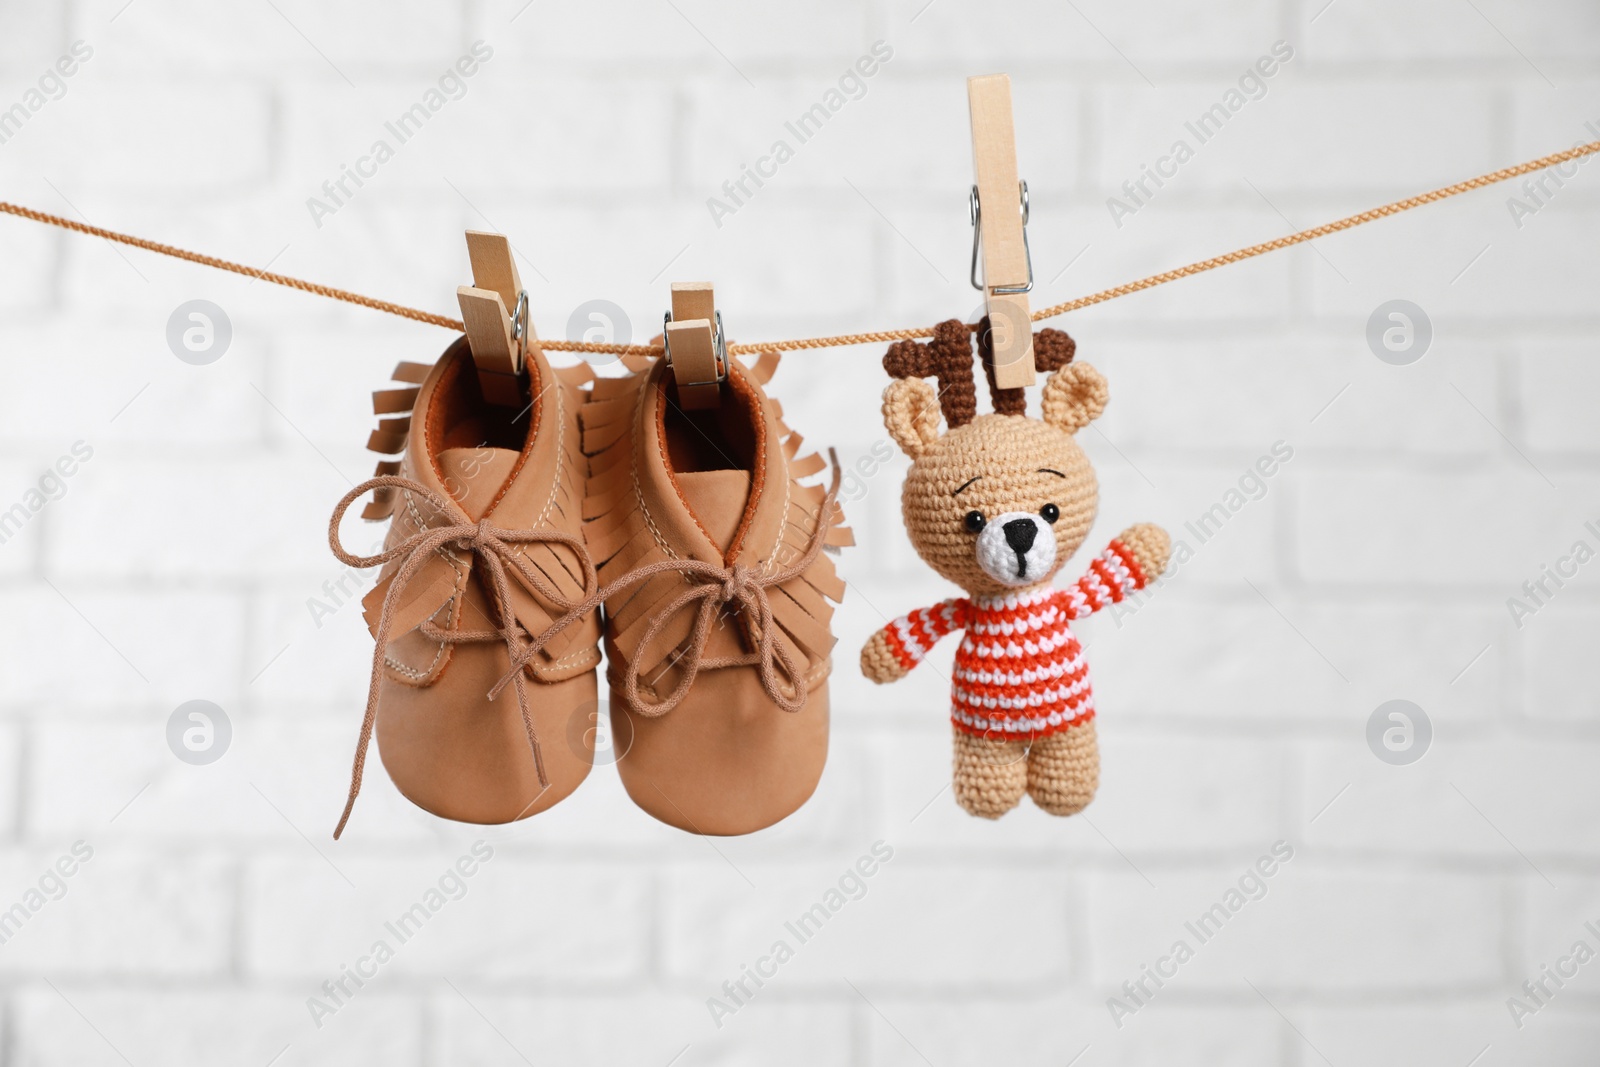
891, 652
1134, 559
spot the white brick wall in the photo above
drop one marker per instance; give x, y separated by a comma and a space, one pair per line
178, 564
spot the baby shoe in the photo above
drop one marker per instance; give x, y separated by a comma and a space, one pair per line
484, 552
716, 595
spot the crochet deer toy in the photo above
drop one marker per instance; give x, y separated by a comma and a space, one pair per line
996, 504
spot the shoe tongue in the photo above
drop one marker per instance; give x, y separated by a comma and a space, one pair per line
473, 476
717, 499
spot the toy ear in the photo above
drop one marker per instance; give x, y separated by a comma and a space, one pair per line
1074, 397
911, 415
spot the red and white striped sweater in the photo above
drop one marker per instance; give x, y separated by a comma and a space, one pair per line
1020, 672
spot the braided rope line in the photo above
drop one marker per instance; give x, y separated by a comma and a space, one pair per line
1347, 223
236, 268
837, 340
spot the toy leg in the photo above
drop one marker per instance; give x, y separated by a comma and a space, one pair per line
989, 776
1064, 770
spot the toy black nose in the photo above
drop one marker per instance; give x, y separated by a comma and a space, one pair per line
1020, 534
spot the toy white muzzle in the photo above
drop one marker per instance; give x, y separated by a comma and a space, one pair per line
1017, 548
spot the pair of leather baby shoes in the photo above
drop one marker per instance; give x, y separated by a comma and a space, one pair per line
524, 534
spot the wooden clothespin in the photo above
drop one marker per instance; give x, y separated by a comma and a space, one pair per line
494, 309
1002, 231
694, 345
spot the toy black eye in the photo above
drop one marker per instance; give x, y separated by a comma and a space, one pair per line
1050, 513
976, 521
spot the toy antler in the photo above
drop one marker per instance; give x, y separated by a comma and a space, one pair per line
1052, 350
948, 357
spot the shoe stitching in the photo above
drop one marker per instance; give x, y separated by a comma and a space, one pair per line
562, 662
555, 485
771, 563
818, 672
633, 469
412, 672
448, 557
416, 517
561, 442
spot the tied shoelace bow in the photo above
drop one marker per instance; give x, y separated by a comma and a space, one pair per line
716, 587
494, 547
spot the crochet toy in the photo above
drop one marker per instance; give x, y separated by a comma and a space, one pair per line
997, 504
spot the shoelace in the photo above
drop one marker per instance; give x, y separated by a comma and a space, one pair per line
716, 587
492, 546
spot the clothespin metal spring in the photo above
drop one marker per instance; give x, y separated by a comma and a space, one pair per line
719, 349
975, 210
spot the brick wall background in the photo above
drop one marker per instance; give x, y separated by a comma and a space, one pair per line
179, 560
